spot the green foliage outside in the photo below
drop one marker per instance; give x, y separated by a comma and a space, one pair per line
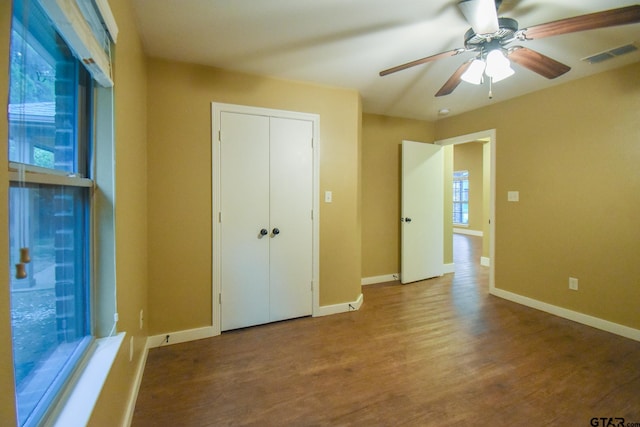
32, 79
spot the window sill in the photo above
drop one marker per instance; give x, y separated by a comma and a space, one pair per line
76, 409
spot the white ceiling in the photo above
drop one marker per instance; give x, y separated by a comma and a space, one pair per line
346, 43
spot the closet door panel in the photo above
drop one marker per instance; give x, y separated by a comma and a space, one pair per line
291, 176
244, 202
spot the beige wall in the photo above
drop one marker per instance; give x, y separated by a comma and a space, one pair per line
572, 151
7, 397
382, 137
469, 157
179, 114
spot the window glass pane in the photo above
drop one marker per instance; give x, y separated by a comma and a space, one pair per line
42, 93
49, 314
461, 197
49, 125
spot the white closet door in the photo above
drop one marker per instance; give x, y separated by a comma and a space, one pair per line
244, 202
291, 201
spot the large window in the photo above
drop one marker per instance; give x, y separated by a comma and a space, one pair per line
461, 197
50, 122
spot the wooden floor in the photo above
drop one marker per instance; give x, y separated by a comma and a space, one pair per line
433, 353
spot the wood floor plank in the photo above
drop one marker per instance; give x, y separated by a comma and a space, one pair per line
436, 352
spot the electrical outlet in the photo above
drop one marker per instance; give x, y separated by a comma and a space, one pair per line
141, 318
573, 283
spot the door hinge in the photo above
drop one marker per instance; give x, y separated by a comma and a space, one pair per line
312, 214
312, 285
311, 142
219, 298
220, 136
219, 216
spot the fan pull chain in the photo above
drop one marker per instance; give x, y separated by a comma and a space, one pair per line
490, 87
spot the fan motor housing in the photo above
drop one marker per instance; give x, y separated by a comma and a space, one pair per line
506, 33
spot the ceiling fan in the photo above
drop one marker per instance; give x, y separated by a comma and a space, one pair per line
489, 36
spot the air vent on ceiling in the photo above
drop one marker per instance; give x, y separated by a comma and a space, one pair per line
612, 53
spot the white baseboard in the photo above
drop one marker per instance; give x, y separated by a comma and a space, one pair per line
380, 279
344, 307
468, 232
180, 336
131, 405
208, 331
575, 316
485, 261
448, 268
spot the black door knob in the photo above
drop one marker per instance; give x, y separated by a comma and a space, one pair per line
407, 220
264, 232
275, 231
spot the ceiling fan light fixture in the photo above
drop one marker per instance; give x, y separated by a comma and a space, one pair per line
473, 74
507, 72
498, 66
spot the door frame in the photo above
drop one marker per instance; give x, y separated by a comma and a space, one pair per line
216, 109
491, 135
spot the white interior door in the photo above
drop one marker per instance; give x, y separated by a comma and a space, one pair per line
244, 202
422, 211
291, 206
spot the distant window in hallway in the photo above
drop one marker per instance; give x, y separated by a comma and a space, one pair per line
461, 198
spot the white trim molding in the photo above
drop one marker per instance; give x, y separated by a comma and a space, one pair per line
468, 232
177, 337
133, 397
575, 316
485, 261
380, 279
326, 310
77, 406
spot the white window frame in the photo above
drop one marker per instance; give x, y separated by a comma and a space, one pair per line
77, 399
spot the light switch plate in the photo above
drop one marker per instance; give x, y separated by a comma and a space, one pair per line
328, 196
573, 283
513, 196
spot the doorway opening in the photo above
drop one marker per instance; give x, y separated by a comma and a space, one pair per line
469, 240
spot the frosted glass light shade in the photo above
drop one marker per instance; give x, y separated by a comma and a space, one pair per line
498, 66
473, 74
503, 74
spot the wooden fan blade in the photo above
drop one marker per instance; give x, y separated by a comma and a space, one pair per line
454, 80
481, 15
607, 18
422, 61
537, 62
